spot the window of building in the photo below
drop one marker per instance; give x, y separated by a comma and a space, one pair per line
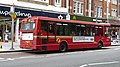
119, 11
47, 1
114, 13
65, 3
99, 11
58, 3
75, 7
43, 0
78, 8
114, 1
82, 8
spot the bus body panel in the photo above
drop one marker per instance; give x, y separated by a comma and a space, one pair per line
71, 44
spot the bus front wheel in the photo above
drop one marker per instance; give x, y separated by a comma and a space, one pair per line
63, 47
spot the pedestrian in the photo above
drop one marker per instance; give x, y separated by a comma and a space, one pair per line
6, 37
0, 42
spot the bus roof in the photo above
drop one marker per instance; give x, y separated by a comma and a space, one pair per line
68, 21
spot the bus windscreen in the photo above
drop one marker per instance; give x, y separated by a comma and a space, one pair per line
28, 26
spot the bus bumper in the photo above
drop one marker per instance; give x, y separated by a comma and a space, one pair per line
33, 47
43, 47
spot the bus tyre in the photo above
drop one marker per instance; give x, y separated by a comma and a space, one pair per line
63, 47
100, 45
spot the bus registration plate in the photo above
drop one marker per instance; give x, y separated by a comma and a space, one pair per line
27, 47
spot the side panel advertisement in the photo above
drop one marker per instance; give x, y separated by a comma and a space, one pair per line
83, 38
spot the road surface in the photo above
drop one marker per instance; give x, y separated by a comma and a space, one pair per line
105, 57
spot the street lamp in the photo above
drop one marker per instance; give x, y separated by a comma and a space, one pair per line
107, 5
96, 11
13, 15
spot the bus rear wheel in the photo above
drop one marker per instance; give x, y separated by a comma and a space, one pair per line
100, 45
63, 47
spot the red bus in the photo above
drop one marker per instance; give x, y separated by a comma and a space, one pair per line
45, 34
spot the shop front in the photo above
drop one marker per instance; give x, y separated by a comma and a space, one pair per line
85, 18
21, 12
115, 31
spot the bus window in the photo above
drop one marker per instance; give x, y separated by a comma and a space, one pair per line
62, 29
98, 31
51, 27
72, 29
93, 31
28, 26
78, 30
44, 25
107, 32
87, 32
59, 28
48, 27
82, 30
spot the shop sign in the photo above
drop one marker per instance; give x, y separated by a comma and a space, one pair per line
5, 11
74, 17
22, 13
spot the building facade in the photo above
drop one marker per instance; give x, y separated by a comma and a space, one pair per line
101, 11
105, 9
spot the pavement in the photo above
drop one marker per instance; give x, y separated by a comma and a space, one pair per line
6, 47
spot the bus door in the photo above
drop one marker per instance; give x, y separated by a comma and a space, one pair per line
51, 35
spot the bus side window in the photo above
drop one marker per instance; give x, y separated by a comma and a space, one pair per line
51, 28
59, 29
73, 33
72, 29
82, 30
62, 29
44, 26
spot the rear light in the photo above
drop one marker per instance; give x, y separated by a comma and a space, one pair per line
20, 41
34, 43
